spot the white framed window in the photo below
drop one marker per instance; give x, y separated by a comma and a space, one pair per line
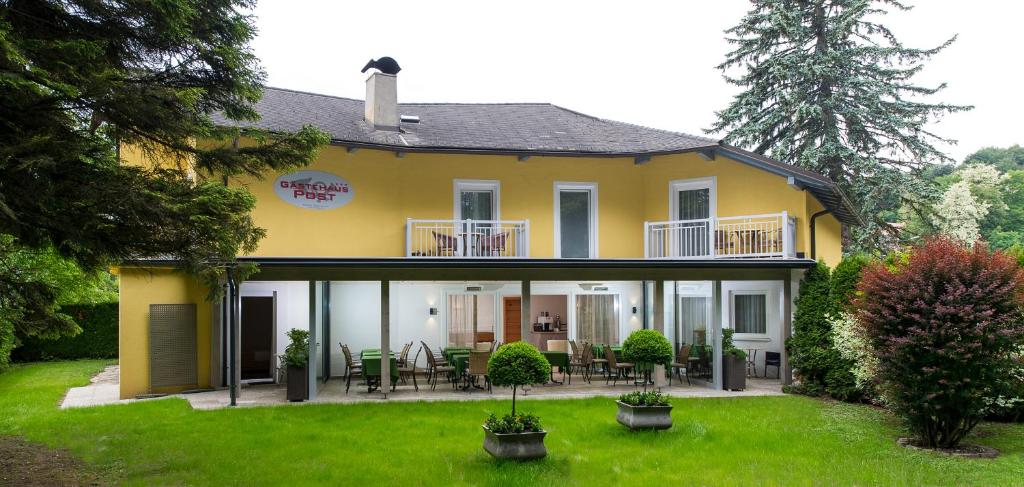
691, 199
749, 313
477, 199
575, 220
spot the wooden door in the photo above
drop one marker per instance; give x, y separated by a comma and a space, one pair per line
513, 319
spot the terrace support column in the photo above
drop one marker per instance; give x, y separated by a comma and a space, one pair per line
716, 333
524, 312
385, 337
234, 359
659, 306
312, 363
787, 325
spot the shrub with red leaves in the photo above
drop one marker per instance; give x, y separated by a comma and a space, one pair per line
943, 324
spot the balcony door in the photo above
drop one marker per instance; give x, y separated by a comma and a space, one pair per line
692, 206
576, 220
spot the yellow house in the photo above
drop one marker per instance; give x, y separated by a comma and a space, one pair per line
447, 225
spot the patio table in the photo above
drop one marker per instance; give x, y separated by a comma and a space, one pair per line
560, 359
461, 362
371, 371
369, 351
599, 351
452, 351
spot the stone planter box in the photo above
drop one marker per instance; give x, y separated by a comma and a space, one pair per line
644, 417
298, 383
515, 446
734, 373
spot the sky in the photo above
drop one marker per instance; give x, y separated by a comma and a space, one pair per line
648, 63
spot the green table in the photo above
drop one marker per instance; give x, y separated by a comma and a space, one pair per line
599, 351
450, 352
371, 370
561, 360
369, 351
460, 361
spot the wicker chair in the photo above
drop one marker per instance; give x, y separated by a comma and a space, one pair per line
403, 355
582, 360
620, 369
682, 362
445, 244
478, 369
351, 367
408, 369
434, 369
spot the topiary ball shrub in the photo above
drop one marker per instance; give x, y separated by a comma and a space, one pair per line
943, 324
517, 364
647, 348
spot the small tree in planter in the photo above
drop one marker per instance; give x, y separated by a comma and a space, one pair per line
647, 348
734, 364
943, 323
296, 359
516, 436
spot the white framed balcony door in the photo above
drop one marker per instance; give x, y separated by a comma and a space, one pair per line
692, 206
575, 220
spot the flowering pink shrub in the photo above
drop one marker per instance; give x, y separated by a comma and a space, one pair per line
943, 325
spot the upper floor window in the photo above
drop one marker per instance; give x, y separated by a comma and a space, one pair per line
692, 204
576, 220
477, 200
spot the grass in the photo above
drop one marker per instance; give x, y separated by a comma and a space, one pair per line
739, 441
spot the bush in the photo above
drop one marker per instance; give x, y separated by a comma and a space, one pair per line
517, 364
646, 398
647, 348
98, 338
513, 423
6, 341
944, 325
728, 348
296, 354
842, 285
817, 363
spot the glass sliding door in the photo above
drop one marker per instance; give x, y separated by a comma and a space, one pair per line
575, 221
476, 201
477, 205
462, 320
693, 329
693, 207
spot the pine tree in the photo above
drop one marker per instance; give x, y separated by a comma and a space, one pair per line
79, 76
829, 88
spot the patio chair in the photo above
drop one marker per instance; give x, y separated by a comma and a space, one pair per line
597, 360
351, 367
281, 371
773, 359
493, 245
445, 244
408, 369
403, 355
478, 369
723, 243
682, 362
620, 369
435, 369
581, 361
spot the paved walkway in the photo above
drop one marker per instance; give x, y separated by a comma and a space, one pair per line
333, 392
103, 390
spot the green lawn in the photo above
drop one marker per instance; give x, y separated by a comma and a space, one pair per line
742, 441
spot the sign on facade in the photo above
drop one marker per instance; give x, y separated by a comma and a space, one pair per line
315, 190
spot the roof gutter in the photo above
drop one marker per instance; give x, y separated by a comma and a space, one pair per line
814, 218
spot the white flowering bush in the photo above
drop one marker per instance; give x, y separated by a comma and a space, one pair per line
853, 346
967, 202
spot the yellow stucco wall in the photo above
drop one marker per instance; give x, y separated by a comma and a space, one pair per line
138, 289
388, 190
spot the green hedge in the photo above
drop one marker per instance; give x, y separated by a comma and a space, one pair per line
97, 340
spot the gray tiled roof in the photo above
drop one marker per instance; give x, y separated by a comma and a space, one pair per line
515, 128
512, 127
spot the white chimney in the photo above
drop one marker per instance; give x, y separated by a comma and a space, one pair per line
382, 101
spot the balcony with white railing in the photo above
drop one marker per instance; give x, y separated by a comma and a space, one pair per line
467, 238
735, 237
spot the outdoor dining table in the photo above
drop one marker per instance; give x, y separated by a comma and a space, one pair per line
599, 351
460, 361
371, 351
452, 351
371, 370
561, 360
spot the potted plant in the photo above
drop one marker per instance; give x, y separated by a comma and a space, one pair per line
647, 348
734, 364
296, 359
644, 410
516, 436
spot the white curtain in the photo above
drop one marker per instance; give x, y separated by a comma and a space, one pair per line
596, 318
751, 313
693, 319
461, 320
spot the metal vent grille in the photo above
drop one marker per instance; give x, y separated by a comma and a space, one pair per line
172, 345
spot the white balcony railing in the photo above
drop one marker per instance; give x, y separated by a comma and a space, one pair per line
752, 236
467, 238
